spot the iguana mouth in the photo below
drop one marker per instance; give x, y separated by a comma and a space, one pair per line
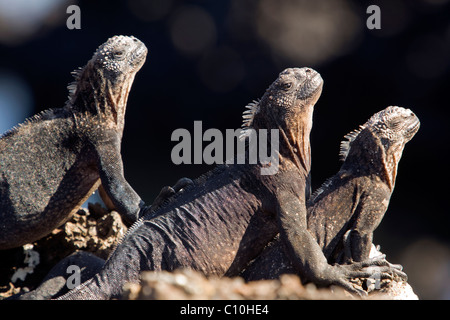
412, 125
139, 55
413, 128
312, 87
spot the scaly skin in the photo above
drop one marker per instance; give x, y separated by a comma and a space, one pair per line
57, 280
228, 216
344, 212
51, 164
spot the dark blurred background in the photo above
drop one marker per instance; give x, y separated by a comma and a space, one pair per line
208, 59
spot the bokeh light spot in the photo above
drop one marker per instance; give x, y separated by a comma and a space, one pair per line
15, 100
192, 30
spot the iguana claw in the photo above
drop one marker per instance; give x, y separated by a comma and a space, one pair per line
377, 267
182, 183
167, 191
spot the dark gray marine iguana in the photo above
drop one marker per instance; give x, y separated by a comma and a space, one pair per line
51, 164
344, 212
227, 217
333, 211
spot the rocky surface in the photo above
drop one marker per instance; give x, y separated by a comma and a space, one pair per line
93, 230
187, 284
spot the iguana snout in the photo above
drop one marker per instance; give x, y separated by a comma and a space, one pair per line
121, 53
395, 124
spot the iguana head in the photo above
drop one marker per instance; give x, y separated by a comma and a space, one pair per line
119, 56
295, 88
287, 105
379, 143
394, 125
102, 86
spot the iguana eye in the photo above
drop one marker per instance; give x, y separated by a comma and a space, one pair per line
286, 85
119, 55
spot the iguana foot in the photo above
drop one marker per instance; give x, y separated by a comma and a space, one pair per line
376, 258
376, 268
375, 252
167, 191
380, 265
182, 184
383, 265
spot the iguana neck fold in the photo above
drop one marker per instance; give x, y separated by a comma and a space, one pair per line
367, 156
295, 140
390, 164
97, 95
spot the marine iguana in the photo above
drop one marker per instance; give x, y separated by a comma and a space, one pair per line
51, 164
58, 279
222, 222
344, 212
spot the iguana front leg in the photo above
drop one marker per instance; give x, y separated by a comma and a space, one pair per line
371, 207
306, 255
165, 193
358, 240
110, 166
357, 246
